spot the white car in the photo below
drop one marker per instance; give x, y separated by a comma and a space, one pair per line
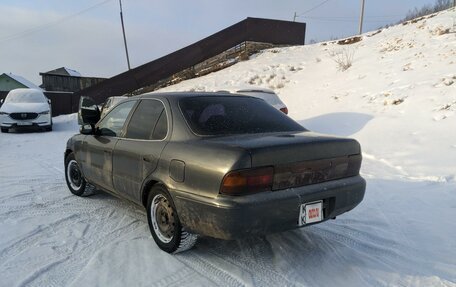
269, 96
28, 108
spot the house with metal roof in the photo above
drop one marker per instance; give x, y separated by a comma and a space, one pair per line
9, 81
66, 80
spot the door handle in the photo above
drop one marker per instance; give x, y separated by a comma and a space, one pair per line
148, 158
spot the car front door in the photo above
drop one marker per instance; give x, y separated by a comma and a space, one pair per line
98, 148
137, 154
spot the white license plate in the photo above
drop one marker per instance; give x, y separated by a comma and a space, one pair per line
311, 212
24, 123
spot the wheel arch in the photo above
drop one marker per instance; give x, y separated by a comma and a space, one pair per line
146, 190
67, 152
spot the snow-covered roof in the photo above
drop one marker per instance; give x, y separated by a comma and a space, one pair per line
23, 81
63, 71
73, 73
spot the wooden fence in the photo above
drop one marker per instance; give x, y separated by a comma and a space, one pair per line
227, 42
274, 32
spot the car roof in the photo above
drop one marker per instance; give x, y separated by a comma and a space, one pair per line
23, 91
180, 95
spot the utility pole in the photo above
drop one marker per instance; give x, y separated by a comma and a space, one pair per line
295, 16
123, 31
361, 17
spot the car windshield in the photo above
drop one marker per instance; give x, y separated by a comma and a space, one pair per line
25, 97
227, 115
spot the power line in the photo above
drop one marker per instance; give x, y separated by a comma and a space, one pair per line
327, 19
50, 24
313, 8
352, 17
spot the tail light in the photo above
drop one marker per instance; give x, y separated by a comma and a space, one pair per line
247, 181
284, 110
354, 164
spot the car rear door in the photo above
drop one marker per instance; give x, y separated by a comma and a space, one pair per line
97, 149
136, 155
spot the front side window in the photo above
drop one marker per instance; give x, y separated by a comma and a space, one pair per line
228, 115
148, 121
112, 124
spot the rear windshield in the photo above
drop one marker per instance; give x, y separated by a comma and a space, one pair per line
227, 115
25, 97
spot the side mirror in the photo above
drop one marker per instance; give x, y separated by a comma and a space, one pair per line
86, 129
49, 101
1, 101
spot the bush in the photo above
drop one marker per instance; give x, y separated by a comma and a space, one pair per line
343, 58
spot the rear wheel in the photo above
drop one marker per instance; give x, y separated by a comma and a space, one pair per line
74, 177
5, 130
164, 223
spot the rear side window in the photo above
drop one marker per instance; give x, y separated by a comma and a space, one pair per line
148, 121
161, 128
225, 115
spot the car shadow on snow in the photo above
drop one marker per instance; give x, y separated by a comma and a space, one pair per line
340, 124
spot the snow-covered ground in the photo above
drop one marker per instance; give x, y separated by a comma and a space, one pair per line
398, 99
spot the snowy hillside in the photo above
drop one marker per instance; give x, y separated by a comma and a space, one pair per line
402, 81
398, 99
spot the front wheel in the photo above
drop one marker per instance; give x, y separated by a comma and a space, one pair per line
4, 130
74, 177
164, 223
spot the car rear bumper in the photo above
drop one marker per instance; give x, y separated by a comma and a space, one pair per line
229, 217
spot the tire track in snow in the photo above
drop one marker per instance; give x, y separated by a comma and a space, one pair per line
32, 238
28, 280
317, 253
375, 251
207, 269
63, 273
84, 210
39, 206
49, 167
115, 220
247, 259
177, 279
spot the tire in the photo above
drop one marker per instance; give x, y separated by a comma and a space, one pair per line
73, 176
164, 223
48, 129
5, 130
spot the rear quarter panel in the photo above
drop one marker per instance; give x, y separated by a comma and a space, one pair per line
206, 164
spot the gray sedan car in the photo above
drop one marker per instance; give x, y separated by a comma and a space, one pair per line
214, 165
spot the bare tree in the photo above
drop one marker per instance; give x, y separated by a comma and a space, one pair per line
428, 9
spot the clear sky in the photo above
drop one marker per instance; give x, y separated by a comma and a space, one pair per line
86, 35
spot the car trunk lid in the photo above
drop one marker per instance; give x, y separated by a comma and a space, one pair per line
300, 158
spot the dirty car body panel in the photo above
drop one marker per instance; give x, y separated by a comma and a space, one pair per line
230, 170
